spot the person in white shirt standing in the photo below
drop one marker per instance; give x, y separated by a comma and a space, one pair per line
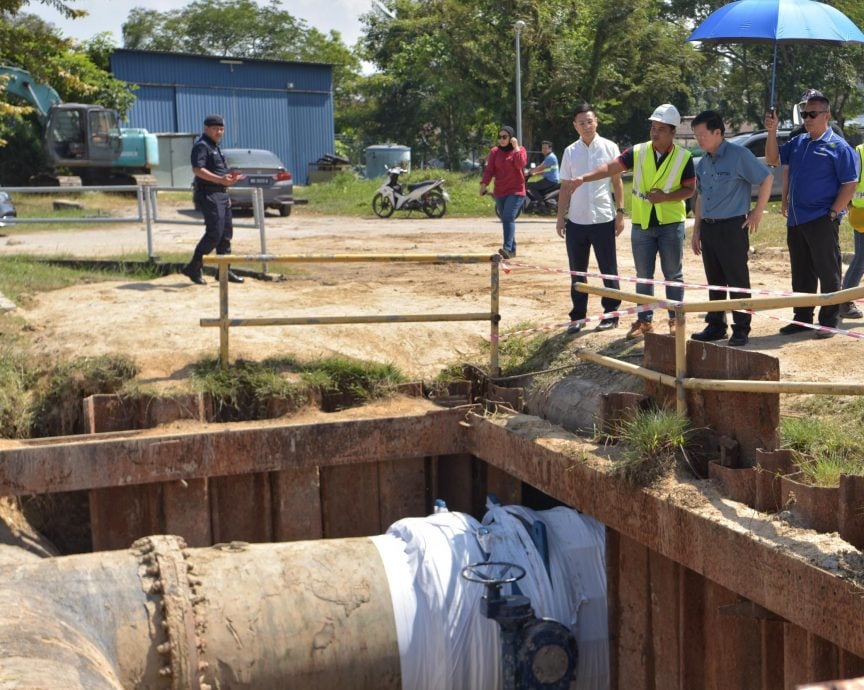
590, 215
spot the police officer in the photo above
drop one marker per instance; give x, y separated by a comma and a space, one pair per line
212, 178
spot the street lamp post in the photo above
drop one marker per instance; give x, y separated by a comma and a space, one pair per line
519, 25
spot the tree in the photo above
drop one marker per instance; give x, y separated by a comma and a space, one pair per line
10, 7
73, 70
449, 66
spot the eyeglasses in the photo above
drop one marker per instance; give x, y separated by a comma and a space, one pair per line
811, 113
503, 136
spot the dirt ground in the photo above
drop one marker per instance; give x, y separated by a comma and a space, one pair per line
157, 321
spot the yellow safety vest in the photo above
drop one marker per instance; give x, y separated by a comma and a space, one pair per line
858, 199
646, 177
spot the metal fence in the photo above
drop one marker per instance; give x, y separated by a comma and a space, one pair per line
147, 206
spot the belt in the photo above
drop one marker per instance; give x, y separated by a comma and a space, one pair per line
712, 221
210, 188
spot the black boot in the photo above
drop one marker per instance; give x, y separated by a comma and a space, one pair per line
234, 278
192, 270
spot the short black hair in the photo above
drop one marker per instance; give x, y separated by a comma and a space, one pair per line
711, 119
819, 98
584, 108
546, 142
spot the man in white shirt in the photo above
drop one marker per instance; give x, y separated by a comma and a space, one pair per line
590, 216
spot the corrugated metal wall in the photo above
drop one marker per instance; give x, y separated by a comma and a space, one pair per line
286, 107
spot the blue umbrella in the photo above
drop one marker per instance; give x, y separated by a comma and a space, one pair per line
777, 21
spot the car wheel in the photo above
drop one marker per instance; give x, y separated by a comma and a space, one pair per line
434, 204
382, 206
285, 210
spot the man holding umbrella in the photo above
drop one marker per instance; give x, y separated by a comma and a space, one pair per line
822, 180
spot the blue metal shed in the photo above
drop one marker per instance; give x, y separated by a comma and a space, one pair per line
286, 107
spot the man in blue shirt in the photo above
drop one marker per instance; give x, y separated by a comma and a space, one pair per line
548, 168
723, 220
822, 180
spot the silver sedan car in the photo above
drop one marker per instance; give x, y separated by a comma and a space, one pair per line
262, 169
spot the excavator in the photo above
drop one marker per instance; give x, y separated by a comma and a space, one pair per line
86, 139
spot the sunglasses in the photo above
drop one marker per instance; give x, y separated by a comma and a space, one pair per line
503, 136
811, 113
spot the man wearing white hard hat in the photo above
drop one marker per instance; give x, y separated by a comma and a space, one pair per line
663, 179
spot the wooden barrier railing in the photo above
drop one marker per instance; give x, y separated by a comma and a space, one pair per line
224, 323
682, 383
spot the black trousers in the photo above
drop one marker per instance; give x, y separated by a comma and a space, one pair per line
725, 249
814, 252
580, 239
218, 225
541, 187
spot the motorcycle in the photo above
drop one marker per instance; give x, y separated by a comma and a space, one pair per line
428, 196
539, 203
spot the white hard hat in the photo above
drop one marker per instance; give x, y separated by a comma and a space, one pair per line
667, 114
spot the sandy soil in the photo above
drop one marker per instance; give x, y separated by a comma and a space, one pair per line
158, 321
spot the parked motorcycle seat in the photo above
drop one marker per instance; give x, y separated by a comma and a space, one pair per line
417, 185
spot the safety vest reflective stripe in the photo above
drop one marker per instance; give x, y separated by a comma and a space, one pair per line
858, 199
646, 178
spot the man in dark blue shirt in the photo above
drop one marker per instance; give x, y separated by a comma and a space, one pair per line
212, 179
822, 180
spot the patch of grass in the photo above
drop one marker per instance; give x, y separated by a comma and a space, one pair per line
41, 398
350, 195
22, 277
243, 389
364, 380
825, 447
17, 379
57, 409
653, 441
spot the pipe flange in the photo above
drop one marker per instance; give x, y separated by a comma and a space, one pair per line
167, 577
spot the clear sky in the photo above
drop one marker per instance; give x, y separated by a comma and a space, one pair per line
109, 15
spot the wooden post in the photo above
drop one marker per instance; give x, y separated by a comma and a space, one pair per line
495, 318
223, 315
680, 360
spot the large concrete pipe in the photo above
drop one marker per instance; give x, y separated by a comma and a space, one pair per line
161, 616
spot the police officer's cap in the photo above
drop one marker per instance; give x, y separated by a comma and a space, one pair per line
214, 121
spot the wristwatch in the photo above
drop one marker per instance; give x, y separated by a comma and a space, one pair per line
619, 210
832, 214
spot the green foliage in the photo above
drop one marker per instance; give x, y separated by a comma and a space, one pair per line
448, 69
653, 441
78, 74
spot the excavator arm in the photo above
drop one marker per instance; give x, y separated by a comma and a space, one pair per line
20, 83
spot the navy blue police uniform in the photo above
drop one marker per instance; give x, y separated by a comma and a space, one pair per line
213, 201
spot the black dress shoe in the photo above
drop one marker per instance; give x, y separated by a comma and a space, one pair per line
793, 328
193, 274
606, 324
709, 333
234, 278
574, 328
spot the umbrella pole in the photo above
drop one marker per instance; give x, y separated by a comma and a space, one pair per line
773, 76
